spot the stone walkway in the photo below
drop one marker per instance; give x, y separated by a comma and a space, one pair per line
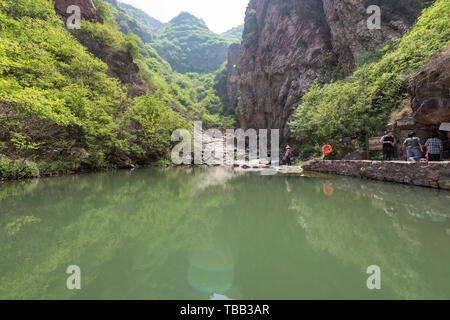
425, 174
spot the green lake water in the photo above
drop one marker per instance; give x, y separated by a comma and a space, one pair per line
183, 233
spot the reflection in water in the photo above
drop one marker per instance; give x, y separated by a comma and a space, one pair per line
183, 233
349, 227
268, 172
418, 202
215, 176
211, 268
389, 211
328, 189
438, 218
288, 186
216, 296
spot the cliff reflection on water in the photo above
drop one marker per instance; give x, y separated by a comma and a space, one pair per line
184, 233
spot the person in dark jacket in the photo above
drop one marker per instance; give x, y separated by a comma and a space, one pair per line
388, 142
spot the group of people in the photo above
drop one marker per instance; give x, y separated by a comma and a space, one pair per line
412, 146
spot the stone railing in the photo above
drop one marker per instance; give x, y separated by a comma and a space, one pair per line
426, 174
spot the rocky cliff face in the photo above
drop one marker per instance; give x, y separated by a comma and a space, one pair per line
429, 89
288, 45
284, 43
350, 36
88, 9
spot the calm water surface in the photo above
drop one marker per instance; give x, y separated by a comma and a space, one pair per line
183, 233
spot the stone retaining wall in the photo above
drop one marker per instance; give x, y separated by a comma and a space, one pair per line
426, 174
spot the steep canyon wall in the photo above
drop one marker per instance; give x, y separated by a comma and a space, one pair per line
289, 44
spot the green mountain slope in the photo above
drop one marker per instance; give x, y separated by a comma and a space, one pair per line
189, 46
141, 16
196, 94
131, 25
61, 110
234, 35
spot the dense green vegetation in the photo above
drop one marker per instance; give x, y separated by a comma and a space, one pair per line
141, 16
132, 20
360, 104
192, 94
189, 46
235, 34
60, 111
138, 24
200, 96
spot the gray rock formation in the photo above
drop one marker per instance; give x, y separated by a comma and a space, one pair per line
350, 36
429, 90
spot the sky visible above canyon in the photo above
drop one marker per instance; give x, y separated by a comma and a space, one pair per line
219, 15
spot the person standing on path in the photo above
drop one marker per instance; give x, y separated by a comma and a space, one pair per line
287, 156
388, 142
413, 147
435, 148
